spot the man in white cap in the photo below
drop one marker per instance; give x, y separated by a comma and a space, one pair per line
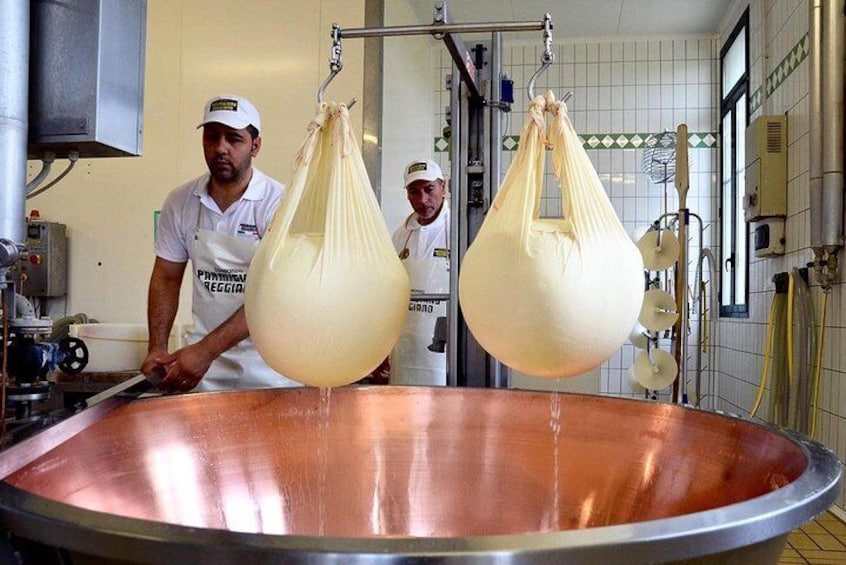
422, 242
216, 221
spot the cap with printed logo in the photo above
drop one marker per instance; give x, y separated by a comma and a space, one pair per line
424, 169
230, 110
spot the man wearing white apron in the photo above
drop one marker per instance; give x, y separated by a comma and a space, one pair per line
422, 242
216, 221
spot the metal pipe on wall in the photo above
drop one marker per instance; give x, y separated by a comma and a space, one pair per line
815, 130
371, 114
495, 93
14, 93
457, 188
497, 371
832, 53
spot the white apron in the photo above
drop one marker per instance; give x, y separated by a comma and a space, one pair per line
220, 264
411, 361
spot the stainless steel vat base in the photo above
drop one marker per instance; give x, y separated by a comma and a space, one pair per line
413, 474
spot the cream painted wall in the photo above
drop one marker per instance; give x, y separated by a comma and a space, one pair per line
408, 105
274, 52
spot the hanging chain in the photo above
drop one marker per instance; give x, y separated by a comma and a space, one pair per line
335, 63
547, 56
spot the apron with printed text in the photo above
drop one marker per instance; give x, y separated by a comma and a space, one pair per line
411, 361
220, 263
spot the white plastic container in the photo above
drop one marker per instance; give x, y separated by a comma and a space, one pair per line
118, 347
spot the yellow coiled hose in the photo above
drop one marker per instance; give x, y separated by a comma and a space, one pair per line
768, 348
815, 383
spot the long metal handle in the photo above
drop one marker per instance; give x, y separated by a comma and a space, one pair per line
136, 385
682, 176
682, 185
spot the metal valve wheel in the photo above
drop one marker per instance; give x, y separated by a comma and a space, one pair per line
75, 355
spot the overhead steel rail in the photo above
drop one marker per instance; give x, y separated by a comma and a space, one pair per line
442, 29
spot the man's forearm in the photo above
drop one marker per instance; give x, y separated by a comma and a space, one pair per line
162, 305
228, 334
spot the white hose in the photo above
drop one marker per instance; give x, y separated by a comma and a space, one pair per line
73, 157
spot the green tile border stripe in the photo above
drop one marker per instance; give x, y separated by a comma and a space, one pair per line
755, 100
638, 140
784, 69
602, 141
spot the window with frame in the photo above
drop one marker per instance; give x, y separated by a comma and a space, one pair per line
734, 117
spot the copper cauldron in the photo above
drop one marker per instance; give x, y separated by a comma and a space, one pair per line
412, 474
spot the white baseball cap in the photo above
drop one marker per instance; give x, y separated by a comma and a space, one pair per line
425, 169
230, 110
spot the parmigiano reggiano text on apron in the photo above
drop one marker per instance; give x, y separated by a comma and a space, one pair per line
412, 363
220, 262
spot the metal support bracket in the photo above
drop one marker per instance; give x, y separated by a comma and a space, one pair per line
443, 29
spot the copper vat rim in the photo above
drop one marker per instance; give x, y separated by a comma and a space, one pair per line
721, 529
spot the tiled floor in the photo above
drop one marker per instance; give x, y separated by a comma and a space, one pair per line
820, 541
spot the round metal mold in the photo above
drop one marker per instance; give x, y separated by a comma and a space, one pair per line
414, 474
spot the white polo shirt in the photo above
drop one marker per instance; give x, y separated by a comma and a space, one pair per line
422, 241
247, 218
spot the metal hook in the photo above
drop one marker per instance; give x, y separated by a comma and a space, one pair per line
326, 82
335, 63
547, 58
539, 72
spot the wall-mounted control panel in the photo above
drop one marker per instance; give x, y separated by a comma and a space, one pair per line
44, 264
766, 168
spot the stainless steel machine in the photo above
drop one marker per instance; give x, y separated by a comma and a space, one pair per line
71, 85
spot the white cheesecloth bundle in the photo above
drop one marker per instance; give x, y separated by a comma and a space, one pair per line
326, 294
551, 297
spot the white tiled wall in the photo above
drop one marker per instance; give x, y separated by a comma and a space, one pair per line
777, 27
647, 86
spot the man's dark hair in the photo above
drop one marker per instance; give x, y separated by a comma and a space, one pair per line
253, 131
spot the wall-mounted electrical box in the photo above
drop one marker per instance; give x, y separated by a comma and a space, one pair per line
769, 237
44, 264
766, 168
86, 78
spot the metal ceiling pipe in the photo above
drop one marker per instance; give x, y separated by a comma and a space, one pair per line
14, 93
832, 128
815, 129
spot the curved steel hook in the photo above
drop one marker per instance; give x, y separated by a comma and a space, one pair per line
326, 82
531, 87
332, 74
547, 58
335, 62
335, 65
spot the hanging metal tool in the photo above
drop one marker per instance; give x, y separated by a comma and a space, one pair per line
680, 343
